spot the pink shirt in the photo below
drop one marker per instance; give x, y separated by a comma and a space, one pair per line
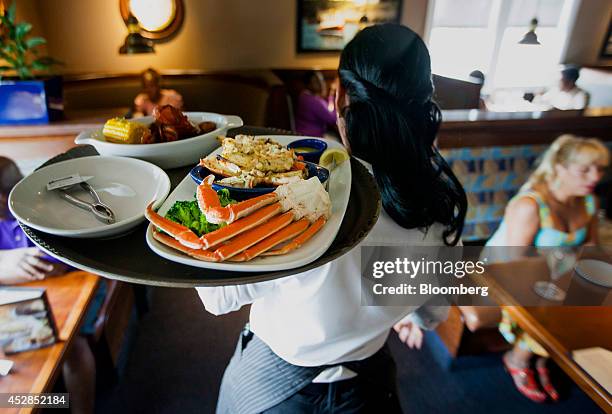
312, 117
143, 104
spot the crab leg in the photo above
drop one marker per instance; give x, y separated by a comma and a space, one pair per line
246, 207
200, 254
182, 234
209, 203
289, 232
253, 236
299, 240
212, 239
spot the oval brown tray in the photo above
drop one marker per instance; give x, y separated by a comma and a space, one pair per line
128, 258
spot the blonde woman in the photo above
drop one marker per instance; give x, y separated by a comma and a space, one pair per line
556, 207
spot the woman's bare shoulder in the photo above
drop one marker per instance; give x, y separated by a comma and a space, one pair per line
523, 208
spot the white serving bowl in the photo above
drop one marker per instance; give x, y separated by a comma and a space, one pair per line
166, 154
126, 185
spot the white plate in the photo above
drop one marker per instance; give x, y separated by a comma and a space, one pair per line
596, 271
339, 191
166, 154
126, 185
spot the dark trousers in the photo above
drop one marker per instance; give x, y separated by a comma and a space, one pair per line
354, 395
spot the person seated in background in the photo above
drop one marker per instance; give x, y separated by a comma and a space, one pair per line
556, 207
152, 95
566, 95
314, 112
22, 262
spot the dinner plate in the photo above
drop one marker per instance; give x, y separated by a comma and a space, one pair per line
596, 271
126, 185
339, 191
166, 154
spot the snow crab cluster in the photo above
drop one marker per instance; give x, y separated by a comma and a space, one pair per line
246, 161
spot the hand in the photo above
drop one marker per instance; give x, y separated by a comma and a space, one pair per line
409, 333
23, 265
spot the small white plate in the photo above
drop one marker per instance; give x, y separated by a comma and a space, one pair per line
166, 154
339, 192
596, 271
126, 185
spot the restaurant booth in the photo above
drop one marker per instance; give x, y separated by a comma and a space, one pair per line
125, 293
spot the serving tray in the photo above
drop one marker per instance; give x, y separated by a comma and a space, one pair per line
128, 258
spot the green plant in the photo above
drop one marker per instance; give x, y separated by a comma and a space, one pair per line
18, 50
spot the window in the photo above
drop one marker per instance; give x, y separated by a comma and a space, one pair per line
467, 35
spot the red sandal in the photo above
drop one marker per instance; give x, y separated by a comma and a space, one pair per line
545, 379
524, 381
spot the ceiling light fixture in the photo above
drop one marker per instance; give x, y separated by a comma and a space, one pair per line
531, 38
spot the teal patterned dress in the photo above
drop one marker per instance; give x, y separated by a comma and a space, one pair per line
547, 236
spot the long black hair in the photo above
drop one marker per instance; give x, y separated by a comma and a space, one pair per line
392, 121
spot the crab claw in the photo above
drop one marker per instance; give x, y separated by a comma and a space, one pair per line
209, 202
199, 254
181, 233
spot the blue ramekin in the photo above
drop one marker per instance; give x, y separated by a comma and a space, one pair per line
317, 144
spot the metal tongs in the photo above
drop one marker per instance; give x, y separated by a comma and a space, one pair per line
100, 210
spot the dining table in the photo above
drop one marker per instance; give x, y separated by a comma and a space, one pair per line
36, 371
562, 328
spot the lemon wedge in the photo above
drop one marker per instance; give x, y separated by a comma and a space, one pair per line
333, 156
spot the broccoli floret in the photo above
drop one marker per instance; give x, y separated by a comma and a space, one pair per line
181, 212
189, 215
224, 197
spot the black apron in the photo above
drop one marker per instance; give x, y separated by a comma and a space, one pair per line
257, 379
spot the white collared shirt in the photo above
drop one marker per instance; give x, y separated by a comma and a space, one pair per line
573, 99
316, 317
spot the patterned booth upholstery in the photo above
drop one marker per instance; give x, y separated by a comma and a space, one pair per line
491, 177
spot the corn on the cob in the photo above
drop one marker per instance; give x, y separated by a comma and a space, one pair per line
122, 131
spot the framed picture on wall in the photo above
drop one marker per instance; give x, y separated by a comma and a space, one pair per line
606, 49
327, 26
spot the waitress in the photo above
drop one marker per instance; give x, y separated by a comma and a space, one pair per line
310, 345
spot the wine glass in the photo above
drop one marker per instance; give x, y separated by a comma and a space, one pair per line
559, 261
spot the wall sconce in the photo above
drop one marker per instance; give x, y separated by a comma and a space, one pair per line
150, 22
160, 20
